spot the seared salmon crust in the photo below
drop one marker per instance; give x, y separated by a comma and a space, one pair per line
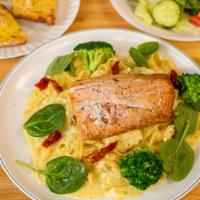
114, 104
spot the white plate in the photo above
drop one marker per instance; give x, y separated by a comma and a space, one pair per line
19, 84
125, 10
39, 33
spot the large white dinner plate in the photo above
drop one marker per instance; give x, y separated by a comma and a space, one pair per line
20, 82
125, 10
39, 33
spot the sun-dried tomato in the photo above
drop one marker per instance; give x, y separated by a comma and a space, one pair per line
44, 82
98, 155
115, 68
173, 78
51, 139
56, 85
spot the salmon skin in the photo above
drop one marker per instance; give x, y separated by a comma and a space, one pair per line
114, 104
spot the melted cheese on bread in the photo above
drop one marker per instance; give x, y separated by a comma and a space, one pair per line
10, 31
43, 11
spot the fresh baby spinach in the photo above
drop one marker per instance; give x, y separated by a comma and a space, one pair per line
60, 64
140, 53
148, 48
46, 121
137, 56
184, 113
177, 155
62, 175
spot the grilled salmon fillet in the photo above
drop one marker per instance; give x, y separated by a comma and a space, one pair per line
114, 104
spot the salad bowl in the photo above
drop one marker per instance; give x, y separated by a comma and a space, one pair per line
184, 32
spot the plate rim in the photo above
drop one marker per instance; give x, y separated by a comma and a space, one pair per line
18, 65
140, 24
27, 52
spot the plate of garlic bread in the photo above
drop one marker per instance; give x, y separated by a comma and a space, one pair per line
27, 24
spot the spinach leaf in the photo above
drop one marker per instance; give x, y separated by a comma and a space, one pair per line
167, 154
59, 64
63, 174
184, 162
137, 56
177, 160
67, 174
177, 155
45, 121
184, 113
148, 48
145, 49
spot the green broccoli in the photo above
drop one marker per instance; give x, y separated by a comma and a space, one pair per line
94, 53
190, 89
141, 167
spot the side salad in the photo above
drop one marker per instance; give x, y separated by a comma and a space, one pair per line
168, 13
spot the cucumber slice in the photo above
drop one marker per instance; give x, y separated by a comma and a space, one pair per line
142, 11
166, 13
153, 2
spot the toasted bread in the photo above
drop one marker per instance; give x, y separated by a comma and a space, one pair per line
36, 10
10, 31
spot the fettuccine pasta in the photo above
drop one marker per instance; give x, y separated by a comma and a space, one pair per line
104, 177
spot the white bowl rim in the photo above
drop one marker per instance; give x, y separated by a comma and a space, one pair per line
17, 65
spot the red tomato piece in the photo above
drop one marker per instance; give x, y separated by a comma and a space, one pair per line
52, 139
98, 155
115, 68
43, 83
56, 85
195, 20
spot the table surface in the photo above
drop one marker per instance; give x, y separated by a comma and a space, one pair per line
92, 14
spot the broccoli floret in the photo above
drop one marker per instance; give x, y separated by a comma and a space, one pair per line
141, 167
94, 53
190, 89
